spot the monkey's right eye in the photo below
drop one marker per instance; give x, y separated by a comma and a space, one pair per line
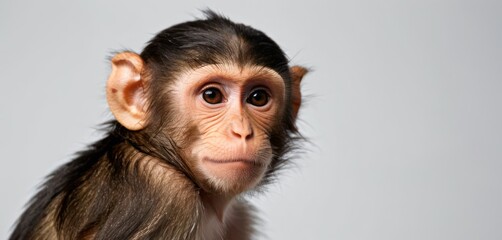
212, 96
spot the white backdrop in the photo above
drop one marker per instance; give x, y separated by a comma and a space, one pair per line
404, 107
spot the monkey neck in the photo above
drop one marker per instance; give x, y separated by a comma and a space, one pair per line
217, 204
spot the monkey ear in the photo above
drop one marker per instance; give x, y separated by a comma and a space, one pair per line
125, 90
297, 73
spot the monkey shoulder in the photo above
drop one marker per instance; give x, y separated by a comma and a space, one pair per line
150, 197
112, 191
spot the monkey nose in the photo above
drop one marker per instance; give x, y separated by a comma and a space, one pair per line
241, 129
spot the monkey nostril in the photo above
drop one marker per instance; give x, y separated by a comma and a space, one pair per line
246, 135
249, 136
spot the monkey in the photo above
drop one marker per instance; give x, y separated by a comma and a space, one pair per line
204, 115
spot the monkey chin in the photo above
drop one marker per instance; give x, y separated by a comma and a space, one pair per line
233, 176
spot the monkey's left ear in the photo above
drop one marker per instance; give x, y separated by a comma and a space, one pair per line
297, 73
124, 91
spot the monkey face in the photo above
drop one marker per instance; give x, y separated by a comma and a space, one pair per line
223, 118
234, 110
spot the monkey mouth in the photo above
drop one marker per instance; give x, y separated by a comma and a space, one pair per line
233, 161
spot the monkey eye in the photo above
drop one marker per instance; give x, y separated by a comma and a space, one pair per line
258, 98
212, 96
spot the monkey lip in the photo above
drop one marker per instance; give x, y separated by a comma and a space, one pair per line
233, 161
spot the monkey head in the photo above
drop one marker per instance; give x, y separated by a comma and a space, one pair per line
225, 98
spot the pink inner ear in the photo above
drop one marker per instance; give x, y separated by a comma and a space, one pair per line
133, 94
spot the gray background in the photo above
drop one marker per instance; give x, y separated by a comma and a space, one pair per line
404, 107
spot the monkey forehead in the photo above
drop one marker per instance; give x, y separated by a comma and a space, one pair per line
232, 72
